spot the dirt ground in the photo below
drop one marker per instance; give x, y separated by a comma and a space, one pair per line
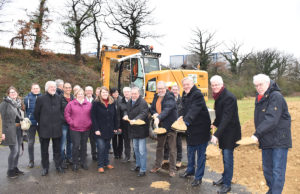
248, 160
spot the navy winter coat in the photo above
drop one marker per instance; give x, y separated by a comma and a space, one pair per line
227, 120
104, 119
195, 115
168, 113
272, 120
29, 102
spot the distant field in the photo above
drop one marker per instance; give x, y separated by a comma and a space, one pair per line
246, 107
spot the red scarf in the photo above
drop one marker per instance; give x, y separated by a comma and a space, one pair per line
259, 97
216, 95
105, 102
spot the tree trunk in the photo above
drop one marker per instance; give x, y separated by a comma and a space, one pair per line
77, 48
38, 25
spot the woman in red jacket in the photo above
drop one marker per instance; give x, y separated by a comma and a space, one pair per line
78, 116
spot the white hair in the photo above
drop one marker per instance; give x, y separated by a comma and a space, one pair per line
216, 78
136, 88
175, 86
261, 78
126, 89
187, 79
59, 82
89, 88
49, 83
77, 86
162, 83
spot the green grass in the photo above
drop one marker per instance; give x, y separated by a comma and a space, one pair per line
246, 107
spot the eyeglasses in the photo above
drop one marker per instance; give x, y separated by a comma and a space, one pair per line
12, 92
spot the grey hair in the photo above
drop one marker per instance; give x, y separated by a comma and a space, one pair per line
135, 88
187, 78
176, 86
126, 89
76, 86
48, 83
89, 88
216, 78
161, 83
261, 78
59, 82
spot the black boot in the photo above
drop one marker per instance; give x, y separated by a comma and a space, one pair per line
18, 172
12, 174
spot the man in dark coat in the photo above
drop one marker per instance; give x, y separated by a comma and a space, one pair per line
273, 131
175, 91
164, 111
48, 114
228, 129
196, 117
137, 108
29, 102
124, 124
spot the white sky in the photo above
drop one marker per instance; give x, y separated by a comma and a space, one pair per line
257, 24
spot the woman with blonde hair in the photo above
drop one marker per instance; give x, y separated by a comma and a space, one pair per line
104, 122
10, 110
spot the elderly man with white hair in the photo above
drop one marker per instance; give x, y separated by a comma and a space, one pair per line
272, 131
228, 128
48, 114
59, 86
195, 115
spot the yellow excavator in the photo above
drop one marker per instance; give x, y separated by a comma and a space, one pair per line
139, 66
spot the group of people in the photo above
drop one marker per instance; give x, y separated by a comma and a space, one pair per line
70, 120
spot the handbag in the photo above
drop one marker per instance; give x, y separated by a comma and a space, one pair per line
25, 124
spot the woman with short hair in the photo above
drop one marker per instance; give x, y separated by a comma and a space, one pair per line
10, 110
78, 116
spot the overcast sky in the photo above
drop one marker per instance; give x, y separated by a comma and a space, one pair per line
257, 24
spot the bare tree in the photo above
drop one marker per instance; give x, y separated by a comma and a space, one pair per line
128, 17
40, 23
236, 60
97, 32
24, 34
202, 45
80, 17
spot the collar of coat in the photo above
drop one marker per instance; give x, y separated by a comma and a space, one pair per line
168, 93
136, 102
110, 100
83, 103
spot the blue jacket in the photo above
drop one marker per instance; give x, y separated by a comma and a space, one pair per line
272, 120
29, 102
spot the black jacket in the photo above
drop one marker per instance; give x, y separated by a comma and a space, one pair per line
64, 103
227, 120
123, 109
195, 115
118, 111
272, 120
49, 115
139, 110
168, 113
104, 119
178, 104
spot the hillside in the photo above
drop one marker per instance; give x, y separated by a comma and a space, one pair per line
20, 68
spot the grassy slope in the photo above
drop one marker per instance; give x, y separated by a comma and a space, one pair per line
20, 68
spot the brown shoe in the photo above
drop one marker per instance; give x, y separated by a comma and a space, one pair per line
172, 174
101, 170
154, 170
110, 166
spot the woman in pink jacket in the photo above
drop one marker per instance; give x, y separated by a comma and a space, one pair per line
78, 116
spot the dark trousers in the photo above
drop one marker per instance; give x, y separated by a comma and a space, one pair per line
103, 146
45, 152
31, 140
13, 157
178, 146
274, 166
127, 142
201, 159
79, 140
117, 142
228, 166
170, 137
93, 143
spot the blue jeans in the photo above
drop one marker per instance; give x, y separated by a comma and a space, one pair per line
274, 166
228, 166
103, 146
140, 151
201, 159
66, 139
